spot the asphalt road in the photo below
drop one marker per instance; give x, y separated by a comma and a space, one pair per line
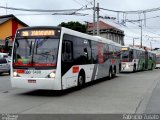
154, 102
127, 93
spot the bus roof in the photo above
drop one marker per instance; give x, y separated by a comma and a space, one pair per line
86, 36
135, 48
39, 27
73, 32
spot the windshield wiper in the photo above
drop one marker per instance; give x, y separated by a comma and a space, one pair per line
41, 42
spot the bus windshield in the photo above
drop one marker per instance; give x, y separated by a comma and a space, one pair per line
37, 52
127, 56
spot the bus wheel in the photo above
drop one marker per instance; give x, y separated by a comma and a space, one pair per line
119, 68
134, 68
143, 67
81, 80
152, 67
110, 74
114, 72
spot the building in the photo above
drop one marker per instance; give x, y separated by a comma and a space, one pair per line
8, 26
107, 31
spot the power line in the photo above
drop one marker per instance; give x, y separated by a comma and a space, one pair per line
42, 10
134, 12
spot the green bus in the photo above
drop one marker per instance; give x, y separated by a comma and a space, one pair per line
132, 59
150, 60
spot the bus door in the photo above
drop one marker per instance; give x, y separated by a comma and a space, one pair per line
146, 60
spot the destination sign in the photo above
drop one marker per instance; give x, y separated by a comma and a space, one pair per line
124, 48
37, 33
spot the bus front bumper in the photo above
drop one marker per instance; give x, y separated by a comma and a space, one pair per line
36, 83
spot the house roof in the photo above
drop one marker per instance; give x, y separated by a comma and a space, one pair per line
102, 26
5, 18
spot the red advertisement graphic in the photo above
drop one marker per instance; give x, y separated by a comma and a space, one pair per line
100, 53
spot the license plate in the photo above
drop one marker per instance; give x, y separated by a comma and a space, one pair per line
31, 81
33, 72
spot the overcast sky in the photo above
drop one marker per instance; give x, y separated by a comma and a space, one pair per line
131, 30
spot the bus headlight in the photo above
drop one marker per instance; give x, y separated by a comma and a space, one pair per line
52, 75
15, 74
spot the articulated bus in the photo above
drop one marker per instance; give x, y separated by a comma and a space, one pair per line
157, 52
136, 59
58, 58
133, 59
150, 60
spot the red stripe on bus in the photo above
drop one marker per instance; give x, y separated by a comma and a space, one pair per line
125, 60
35, 64
20, 71
75, 69
22, 64
43, 64
113, 61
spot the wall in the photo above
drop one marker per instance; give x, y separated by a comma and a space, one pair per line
9, 28
5, 30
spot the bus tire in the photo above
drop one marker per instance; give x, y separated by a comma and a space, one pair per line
152, 67
119, 68
110, 73
134, 68
143, 68
114, 72
81, 80
9, 72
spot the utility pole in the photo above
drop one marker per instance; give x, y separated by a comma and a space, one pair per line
94, 17
151, 46
134, 41
97, 19
141, 32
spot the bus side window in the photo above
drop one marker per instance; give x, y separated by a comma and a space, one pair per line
67, 51
131, 55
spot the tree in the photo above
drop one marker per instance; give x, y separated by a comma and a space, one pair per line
74, 26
